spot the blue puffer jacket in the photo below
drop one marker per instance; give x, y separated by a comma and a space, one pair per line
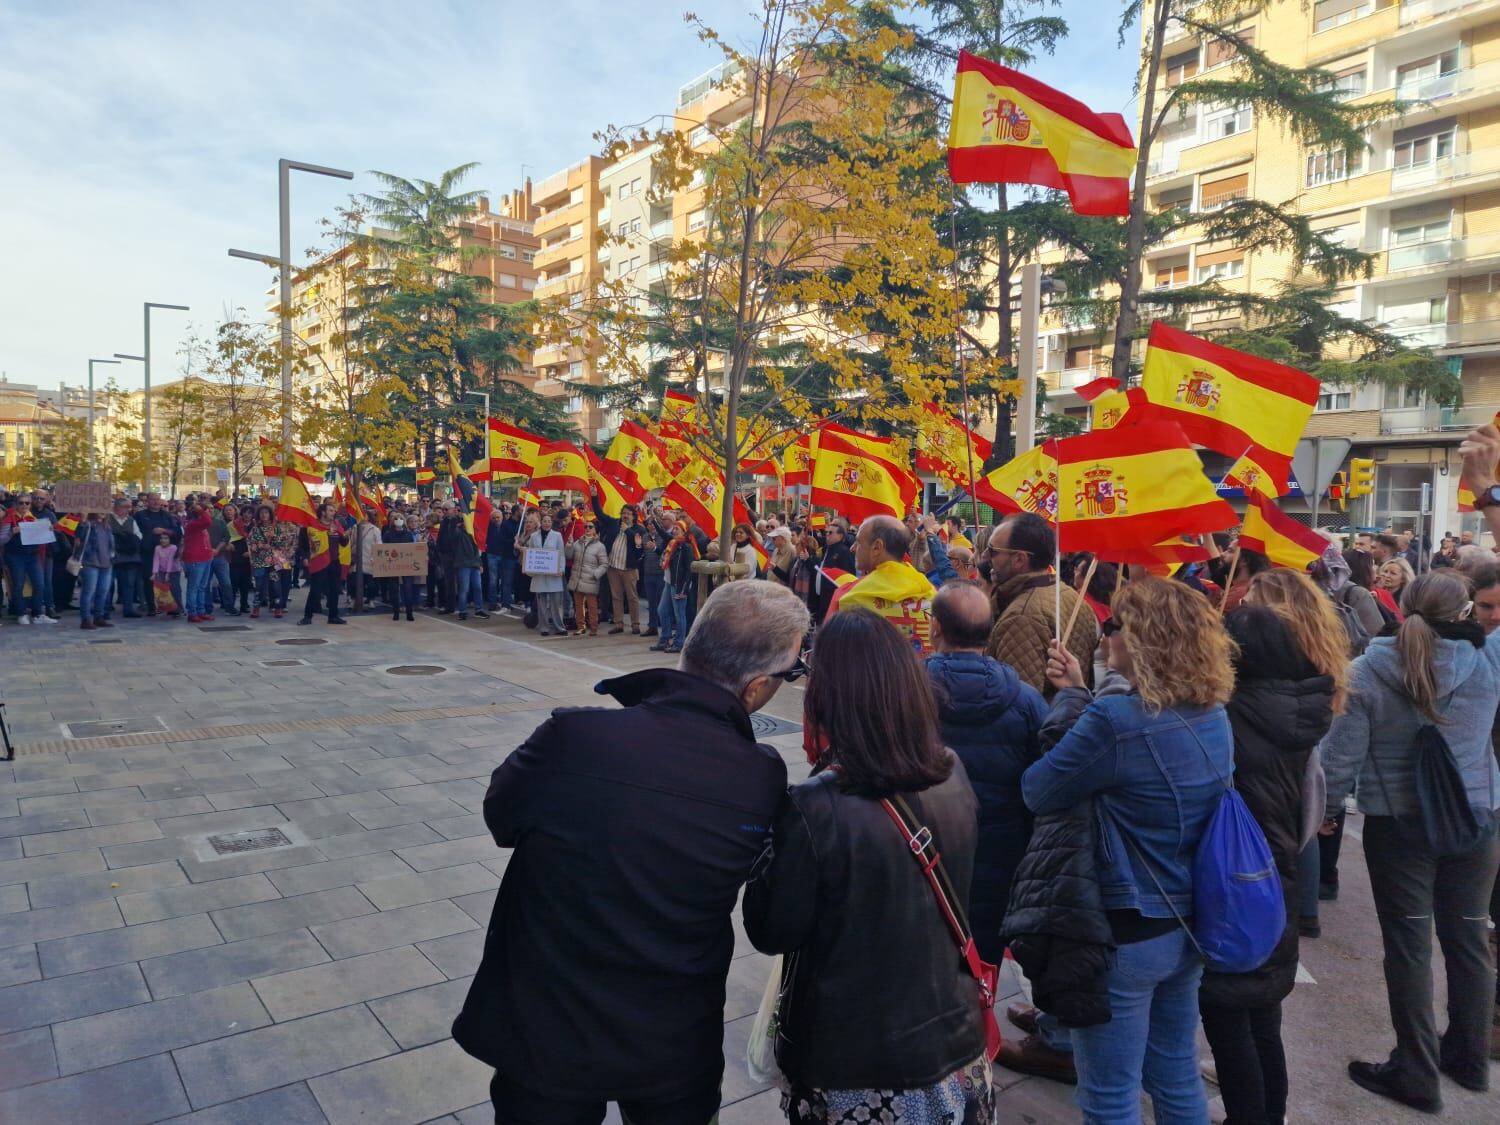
991, 720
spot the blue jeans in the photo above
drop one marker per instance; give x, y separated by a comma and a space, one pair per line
1151, 1040
653, 584
470, 589
1052, 1033
128, 587
93, 600
197, 575
673, 613
47, 603
503, 581
22, 567
220, 572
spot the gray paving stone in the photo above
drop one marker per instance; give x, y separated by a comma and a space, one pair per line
40, 787
195, 898
124, 813
429, 886
47, 1001
414, 1086
275, 1056
283, 790
26, 1057
18, 964
290, 1105
129, 779
337, 873
13, 898
247, 863
320, 988
292, 913
149, 1029
77, 839
31, 823
351, 782
319, 806
480, 906
58, 921
151, 851
423, 1015
129, 943
460, 827
450, 853
65, 889
10, 848
328, 824
197, 970
132, 1093
264, 815
457, 955
408, 813
378, 840
195, 786
404, 926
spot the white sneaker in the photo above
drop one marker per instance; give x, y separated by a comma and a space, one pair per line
25, 619
43, 619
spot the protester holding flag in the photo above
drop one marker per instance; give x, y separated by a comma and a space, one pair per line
677, 560
624, 543
1022, 550
323, 543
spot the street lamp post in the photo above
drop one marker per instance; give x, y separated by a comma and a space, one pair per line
145, 360
283, 262
93, 465
489, 486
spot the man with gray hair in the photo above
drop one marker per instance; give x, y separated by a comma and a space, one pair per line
604, 966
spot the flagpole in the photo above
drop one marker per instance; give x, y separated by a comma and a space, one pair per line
1057, 568
1078, 605
958, 352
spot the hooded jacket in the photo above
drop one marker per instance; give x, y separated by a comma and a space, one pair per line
1280, 709
604, 966
991, 720
1372, 742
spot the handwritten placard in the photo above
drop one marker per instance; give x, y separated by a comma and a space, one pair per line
399, 560
83, 497
36, 533
541, 561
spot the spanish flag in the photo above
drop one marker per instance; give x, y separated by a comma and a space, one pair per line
637, 457
528, 498
755, 454
679, 414
613, 494
69, 523
1236, 404
838, 577
1133, 487
351, 500
1025, 483
699, 491
295, 505
1276, 535
1163, 557
560, 467
1109, 403
424, 475
849, 476
944, 444
304, 468
372, 499
513, 451
797, 460
817, 521
1011, 129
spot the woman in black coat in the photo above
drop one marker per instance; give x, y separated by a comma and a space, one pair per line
1289, 681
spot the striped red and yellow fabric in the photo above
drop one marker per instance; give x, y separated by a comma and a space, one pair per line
637, 457
561, 468
1133, 487
295, 505
1011, 129
1278, 536
944, 445
613, 493
699, 491
306, 469
797, 460
850, 476
512, 450
1025, 483
425, 475
679, 415
1239, 405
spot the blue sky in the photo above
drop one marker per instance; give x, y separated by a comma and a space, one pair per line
140, 140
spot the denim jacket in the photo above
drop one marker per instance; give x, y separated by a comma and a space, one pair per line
1151, 781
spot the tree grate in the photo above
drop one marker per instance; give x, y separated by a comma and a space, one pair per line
416, 670
223, 628
768, 726
234, 843
302, 641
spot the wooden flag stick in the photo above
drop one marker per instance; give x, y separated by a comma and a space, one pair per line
1229, 581
1119, 578
1078, 605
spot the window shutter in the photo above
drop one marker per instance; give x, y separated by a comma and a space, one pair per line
1218, 256
1230, 188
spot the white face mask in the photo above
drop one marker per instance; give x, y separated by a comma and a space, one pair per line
399, 522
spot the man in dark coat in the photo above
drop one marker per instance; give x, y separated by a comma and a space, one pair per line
604, 966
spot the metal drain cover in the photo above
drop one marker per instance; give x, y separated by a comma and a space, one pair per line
107, 641
302, 641
100, 728
767, 726
416, 670
234, 843
223, 628
290, 662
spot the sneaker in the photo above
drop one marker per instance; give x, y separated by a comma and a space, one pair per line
1380, 1078
337, 621
673, 648
649, 633
255, 613
305, 621
1030, 1055
658, 647
278, 613
463, 616
1328, 892
481, 613
24, 619
1309, 927
43, 619
85, 624
409, 617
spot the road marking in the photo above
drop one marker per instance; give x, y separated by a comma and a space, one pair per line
1303, 976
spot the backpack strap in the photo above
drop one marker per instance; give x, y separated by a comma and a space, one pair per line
1166, 898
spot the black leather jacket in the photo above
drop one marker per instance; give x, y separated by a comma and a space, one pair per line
880, 997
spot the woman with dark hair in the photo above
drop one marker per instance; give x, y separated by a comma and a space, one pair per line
879, 1016
1357, 591
1438, 673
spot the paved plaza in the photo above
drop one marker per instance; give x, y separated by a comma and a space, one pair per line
256, 888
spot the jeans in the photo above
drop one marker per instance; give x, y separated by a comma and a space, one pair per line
502, 581
673, 613
1328, 853
198, 575
653, 584
1415, 892
1307, 880
1150, 1041
47, 601
401, 593
1052, 1033
470, 589
220, 571
1250, 1062
128, 587
93, 601
23, 567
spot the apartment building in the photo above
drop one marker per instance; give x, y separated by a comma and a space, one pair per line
1424, 199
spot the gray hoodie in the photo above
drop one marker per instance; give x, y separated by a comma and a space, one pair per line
1381, 724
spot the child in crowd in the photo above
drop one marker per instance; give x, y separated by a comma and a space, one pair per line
166, 571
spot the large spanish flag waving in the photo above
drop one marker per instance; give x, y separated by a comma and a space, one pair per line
1025, 483
679, 415
613, 492
1236, 404
797, 460
559, 466
699, 491
637, 457
850, 476
295, 505
1276, 535
1133, 487
944, 444
1011, 129
513, 451
304, 468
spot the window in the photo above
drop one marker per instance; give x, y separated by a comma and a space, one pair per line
1418, 313
528, 283
1220, 193
1328, 14
575, 301
1227, 123
1171, 200
1403, 398
508, 280
1423, 145
1081, 355
1221, 267
1334, 400
1346, 234
1168, 277
507, 251
575, 196
1421, 78
1331, 167
632, 227
575, 369
1181, 67
1347, 82
575, 231
698, 136
626, 191
696, 220
528, 255
1415, 234
575, 404
1221, 51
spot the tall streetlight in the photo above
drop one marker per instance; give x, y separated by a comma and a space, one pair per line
93, 467
145, 361
283, 263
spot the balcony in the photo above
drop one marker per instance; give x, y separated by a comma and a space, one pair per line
1440, 87
1473, 336
1422, 335
1420, 11
1424, 254
1434, 172
662, 229
1165, 164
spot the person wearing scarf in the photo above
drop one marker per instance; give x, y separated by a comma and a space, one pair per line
677, 559
888, 585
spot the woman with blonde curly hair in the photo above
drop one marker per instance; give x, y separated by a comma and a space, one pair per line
1154, 760
1393, 577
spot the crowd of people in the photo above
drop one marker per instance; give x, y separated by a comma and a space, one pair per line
1049, 737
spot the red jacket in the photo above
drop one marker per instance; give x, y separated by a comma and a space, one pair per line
195, 545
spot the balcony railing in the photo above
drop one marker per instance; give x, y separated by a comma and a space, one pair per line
1416, 11
662, 229
1440, 86
1433, 172
1424, 254
1422, 335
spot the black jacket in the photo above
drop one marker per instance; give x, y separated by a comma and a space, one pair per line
880, 996
151, 522
604, 965
1280, 709
609, 528
501, 541
456, 547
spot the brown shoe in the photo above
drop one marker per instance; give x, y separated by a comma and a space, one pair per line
617, 629
1032, 1056
635, 630
1023, 1016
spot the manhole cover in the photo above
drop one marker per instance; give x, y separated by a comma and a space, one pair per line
223, 628
108, 641
99, 728
766, 726
290, 662
302, 641
417, 670
233, 843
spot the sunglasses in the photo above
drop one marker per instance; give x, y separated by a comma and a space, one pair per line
802, 666
1110, 628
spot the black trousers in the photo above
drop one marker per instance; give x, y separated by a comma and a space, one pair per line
1250, 1061
1328, 853
515, 1105
1416, 893
324, 584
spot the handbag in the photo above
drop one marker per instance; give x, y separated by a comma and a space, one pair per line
919, 839
74, 564
760, 1053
